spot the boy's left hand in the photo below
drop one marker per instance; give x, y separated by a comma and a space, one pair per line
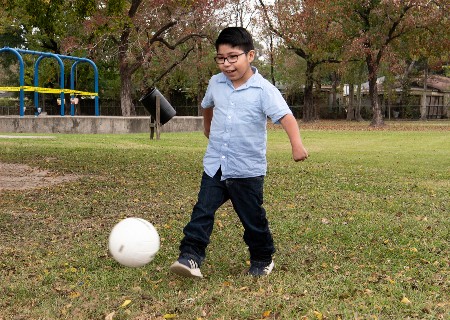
299, 153
290, 125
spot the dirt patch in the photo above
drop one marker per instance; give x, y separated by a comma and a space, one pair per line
26, 137
22, 177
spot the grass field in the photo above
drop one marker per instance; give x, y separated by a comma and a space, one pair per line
361, 228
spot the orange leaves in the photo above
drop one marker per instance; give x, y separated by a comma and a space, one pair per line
74, 294
267, 313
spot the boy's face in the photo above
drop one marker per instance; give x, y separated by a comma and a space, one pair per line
238, 71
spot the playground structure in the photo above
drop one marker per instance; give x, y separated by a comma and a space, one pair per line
61, 91
159, 108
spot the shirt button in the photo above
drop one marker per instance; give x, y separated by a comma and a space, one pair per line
223, 157
229, 117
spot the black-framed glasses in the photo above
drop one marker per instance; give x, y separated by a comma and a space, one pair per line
231, 58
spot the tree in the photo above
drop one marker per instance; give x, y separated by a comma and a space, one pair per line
239, 13
138, 31
374, 26
44, 23
191, 77
353, 74
10, 36
309, 29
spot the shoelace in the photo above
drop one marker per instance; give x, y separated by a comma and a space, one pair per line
193, 264
266, 269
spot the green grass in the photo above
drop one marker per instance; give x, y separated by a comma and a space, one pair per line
359, 226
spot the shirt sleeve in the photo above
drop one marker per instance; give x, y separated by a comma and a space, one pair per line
208, 100
275, 107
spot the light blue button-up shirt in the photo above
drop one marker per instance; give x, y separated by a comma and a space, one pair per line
238, 135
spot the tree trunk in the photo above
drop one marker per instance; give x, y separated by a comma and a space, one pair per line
199, 103
308, 107
377, 116
405, 86
126, 101
334, 81
351, 114
423, 105
200, 87
358, 116
272, 60
358, 104
316, 106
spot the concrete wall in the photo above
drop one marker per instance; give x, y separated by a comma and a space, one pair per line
91, 124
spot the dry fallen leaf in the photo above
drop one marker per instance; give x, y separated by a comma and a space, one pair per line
405, 300
170, 316
125, 303
110, 316
318, 315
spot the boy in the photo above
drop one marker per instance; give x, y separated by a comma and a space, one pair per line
235, 160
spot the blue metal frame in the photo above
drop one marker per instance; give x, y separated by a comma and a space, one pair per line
72, 82
59, 58
36, 77
21, 80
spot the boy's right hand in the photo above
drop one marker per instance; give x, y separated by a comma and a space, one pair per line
299, 153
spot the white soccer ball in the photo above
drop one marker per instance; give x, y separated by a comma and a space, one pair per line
134, 242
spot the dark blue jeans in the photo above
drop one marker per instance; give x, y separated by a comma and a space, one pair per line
246, 195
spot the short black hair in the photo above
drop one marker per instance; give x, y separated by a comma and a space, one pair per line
235, 37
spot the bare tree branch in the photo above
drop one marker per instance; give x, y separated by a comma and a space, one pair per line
299, 51
158, 33
181, 41
391, 36
186, 54
266, 15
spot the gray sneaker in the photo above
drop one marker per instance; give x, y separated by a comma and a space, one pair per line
260, 268
186, 267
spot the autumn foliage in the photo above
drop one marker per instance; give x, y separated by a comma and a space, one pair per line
145, 40
346, 30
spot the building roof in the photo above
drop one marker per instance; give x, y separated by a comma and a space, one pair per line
439, 83
434, 83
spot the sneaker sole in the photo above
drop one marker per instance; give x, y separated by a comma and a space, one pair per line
268, 271
182, 270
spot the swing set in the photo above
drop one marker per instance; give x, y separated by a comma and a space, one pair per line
61, 91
